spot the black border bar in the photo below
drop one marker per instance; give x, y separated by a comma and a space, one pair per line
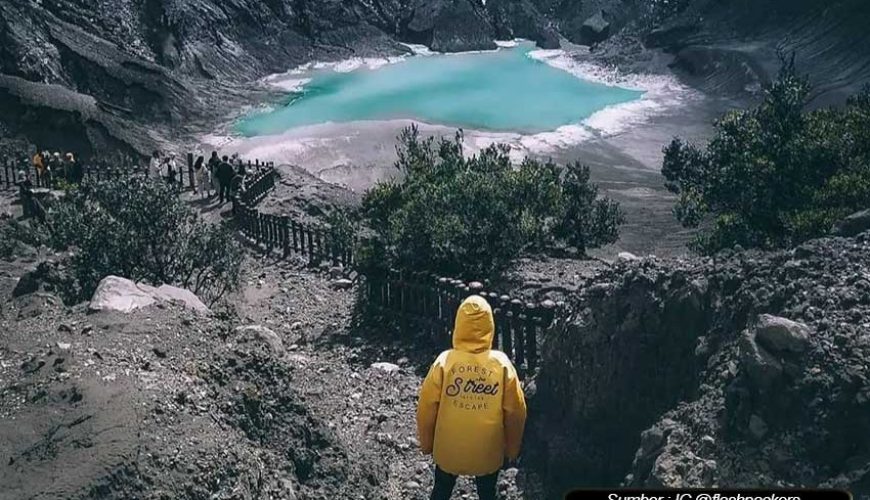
708, 494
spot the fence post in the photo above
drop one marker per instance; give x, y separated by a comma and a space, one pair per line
293, 229
498, 318
190, 170
333, 247
309, 243
285, 236
322, 254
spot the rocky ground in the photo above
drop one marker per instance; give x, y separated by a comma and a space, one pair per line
743, 368
747, 368
274, 396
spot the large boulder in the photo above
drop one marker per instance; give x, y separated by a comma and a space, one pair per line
762, 368
167, 293
595, 29
123, 295
782, 335
854, 224
259, 333
119, 294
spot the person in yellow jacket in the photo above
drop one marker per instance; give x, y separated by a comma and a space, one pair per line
39, 163
471, 411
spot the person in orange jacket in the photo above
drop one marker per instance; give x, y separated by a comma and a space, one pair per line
471, 411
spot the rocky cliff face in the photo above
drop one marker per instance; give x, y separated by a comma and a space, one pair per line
745, 368
168, 62
137, 71
734, 47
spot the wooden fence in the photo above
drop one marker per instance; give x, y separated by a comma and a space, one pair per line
318, 244
420, 302
14, 169
430, 304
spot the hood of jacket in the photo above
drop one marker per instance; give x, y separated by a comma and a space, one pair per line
474, 327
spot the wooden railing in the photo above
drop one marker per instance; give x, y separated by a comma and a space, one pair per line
12, 167
430, 304
318, 244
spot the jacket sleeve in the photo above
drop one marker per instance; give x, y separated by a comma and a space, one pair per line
427, 406
514, 407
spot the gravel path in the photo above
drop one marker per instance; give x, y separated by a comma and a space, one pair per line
372, 410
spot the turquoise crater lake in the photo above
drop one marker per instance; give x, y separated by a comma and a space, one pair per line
504, 90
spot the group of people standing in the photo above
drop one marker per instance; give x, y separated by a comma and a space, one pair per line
223, 176
52, 168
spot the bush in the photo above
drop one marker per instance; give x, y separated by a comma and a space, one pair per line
141, 230
471, 217
587, 220
775, 175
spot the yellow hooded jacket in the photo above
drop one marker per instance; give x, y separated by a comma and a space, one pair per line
471, 411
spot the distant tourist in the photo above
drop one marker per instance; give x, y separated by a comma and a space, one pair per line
25, 193
53, 170
471, 411
29, 204
213, 163
73, 169
172, 170
154, 165
38, 162
237, 186
225, 176
201, 177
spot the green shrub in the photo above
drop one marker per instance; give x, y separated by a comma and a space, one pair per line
143, 231
471, 217
587, 220
342, 230
774, 175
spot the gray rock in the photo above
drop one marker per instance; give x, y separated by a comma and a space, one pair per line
27, 283
549, 39
854, 224
762, 369
342, 284
120, 294
627, 256
595, 29
336, 272
180, 295
263, 334
386, 367
780, 334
